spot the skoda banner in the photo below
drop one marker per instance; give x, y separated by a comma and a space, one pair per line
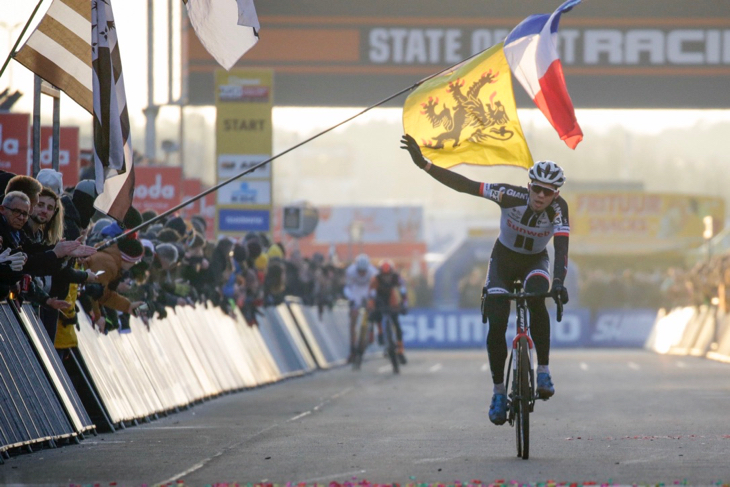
243, 140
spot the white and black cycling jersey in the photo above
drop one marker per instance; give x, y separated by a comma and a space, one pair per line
520, 228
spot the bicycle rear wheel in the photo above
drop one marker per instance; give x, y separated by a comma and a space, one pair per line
522, 400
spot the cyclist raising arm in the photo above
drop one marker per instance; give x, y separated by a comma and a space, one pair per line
530, 217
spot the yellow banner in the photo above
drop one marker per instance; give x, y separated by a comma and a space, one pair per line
616, 223
244, 139
468, 115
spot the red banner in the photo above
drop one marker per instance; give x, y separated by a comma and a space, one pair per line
68, 153
157, 188
14, 142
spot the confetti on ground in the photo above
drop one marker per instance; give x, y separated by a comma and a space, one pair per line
413, 483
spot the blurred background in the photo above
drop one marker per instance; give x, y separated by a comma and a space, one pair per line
648, 79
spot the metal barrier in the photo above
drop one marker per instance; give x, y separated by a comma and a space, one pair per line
37, 402
193, 354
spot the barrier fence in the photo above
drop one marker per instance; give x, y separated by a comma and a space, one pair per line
196, 353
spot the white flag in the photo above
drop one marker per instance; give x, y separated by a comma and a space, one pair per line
226, 28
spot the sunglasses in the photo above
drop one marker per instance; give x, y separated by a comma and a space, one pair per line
540, 189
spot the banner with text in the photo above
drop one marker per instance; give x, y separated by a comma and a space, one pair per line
14, 142
244, 138
463, 328
662, 53
619, 223
157, 188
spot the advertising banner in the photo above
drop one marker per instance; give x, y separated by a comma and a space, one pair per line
463, 328
230, 165
636, 222
246, 192
662, 53
157, 188
14, 142
244, 138
68, 153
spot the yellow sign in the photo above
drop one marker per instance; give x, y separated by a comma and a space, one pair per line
616, 223
244, 139
468, 115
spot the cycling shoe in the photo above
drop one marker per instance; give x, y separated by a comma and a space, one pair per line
498, 409
545, 388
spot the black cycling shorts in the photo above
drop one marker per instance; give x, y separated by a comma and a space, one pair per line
505, 266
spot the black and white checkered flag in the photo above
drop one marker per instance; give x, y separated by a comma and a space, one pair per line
112, 143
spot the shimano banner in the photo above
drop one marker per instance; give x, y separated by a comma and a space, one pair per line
463, 328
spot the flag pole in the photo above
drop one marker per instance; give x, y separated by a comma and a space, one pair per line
12, 51
276, 156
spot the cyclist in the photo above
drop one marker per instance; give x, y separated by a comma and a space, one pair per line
530, 217
357, 287
389, 295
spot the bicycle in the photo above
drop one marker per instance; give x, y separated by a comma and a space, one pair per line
390, 345
522, 397
363, 334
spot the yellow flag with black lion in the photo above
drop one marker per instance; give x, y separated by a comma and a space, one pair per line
468, 115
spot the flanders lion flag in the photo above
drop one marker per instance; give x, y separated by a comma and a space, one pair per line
468, 115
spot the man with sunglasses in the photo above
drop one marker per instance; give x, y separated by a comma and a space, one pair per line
531, 216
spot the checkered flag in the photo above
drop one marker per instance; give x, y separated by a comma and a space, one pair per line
112, 143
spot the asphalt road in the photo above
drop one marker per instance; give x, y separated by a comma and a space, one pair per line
623, 417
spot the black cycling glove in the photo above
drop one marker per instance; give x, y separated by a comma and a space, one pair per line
559, 292
410, 144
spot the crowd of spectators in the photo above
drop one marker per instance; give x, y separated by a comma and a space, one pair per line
57, 251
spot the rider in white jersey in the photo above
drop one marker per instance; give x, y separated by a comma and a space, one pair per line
531, 217
357, 287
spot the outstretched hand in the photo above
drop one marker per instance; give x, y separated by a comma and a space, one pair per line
410, 144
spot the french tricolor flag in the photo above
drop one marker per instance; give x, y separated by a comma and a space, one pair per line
532, 55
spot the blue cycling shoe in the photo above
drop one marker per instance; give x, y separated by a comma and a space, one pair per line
545, 388
498, 409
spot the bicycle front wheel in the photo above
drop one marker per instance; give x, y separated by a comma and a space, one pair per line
522, 400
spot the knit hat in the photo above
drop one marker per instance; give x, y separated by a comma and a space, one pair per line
148, 215
254, 249
275, 252
51, 179
100, 225
240, 252
132, 219
131, 249
177, 224
195, 240
262, 262
168, 235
